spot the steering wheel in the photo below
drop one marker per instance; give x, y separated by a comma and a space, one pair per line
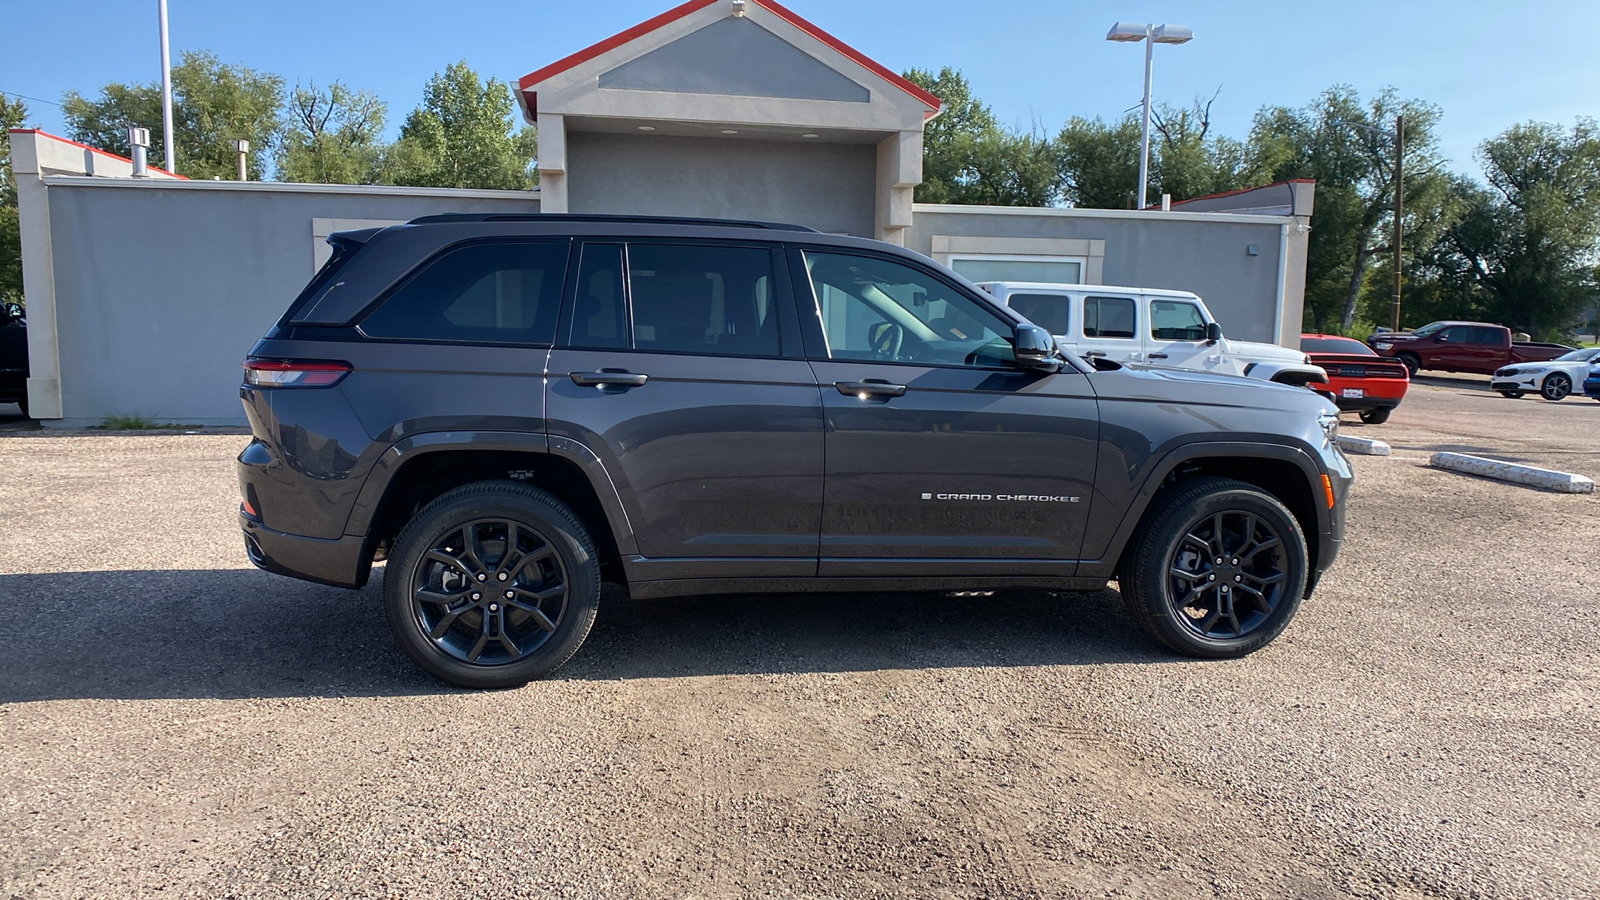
886, 339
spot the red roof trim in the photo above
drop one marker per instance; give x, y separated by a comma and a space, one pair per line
613, 42
57, 137
1240, 191
678, 12
796, 20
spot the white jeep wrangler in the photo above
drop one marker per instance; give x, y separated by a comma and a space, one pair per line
1149, 326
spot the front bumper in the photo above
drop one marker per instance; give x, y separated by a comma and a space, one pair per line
340, 562
1527, 384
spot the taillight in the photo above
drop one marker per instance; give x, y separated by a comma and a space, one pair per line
286, 373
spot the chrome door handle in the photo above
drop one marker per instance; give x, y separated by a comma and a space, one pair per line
608, 378
1158, 356
870, 388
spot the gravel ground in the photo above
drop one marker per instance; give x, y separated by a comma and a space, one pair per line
174, 722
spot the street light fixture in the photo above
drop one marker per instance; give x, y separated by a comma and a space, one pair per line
1151, 34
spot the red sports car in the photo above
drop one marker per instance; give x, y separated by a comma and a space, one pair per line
1358, 379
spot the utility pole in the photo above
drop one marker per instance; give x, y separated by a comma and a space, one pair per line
1399, 208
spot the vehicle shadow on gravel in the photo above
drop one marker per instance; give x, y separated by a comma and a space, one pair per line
230, 634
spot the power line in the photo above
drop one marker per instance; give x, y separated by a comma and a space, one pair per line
26, 97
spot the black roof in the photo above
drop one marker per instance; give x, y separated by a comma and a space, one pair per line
448, 218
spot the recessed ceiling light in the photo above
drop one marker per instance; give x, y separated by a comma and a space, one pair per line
808, 135
729, 131
647, 128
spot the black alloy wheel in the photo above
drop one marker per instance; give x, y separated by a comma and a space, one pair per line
1226, 575
1556, 386
1376, 416
492, 585
1216, 569
1412, 362
490, 592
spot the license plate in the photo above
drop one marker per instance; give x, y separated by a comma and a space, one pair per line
1352, 393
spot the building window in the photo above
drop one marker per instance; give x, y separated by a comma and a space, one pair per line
1045, 269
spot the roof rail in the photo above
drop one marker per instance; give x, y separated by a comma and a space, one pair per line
445, 218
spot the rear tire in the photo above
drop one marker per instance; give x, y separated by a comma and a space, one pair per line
1556, 386
1376, 416
492, 585
1514, 395
1411, 361
1177, 590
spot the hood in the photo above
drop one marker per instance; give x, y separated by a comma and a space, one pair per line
1253, 350
1191, 387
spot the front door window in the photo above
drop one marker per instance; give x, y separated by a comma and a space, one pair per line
878, 309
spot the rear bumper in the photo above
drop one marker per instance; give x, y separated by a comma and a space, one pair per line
340, 562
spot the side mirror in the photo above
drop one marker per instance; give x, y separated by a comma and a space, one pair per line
1213, 333
1036, 349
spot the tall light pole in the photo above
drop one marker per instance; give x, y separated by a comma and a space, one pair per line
1151, 34
167, 147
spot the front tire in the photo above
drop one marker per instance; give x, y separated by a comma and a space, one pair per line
492, 585
1411, 361
1512, 395
1217, 569
1556, 386
1376, 416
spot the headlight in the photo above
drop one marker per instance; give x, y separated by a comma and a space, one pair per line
1385, 346
1329, 421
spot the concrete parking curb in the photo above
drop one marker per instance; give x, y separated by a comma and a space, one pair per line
1549, 479
1363, 446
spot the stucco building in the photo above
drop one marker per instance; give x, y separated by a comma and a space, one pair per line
144, 292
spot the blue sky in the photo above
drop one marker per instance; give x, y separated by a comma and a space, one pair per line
1488, 64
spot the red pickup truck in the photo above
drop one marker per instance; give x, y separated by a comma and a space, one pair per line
1461, 347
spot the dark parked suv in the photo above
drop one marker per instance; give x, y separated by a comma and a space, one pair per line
511, 410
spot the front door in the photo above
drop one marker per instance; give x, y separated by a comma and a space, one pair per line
678, 373
942, 457
1176, 336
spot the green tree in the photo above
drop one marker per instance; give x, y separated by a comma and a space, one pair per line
461, 136
1187, 161
1098, 162
1347, 146
12, 114
967, 157
1523, 249
213, 104
332, 136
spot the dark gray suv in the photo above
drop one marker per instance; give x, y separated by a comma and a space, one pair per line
512, 410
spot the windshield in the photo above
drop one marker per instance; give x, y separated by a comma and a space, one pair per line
1585, 355
1428, 329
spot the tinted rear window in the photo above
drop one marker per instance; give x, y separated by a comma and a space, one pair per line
716, 301
1334, 345
498, 293
1108, 317
1048, 311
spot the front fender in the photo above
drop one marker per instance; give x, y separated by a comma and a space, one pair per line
1274, 447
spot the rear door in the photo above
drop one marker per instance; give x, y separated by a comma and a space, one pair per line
942, 457
1110, 327
1176, 335
679, 368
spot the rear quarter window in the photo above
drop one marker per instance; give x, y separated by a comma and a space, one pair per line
496, 293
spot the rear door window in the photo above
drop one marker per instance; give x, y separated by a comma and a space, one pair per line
1108, 317
709, 300
1052, 312
494, 293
